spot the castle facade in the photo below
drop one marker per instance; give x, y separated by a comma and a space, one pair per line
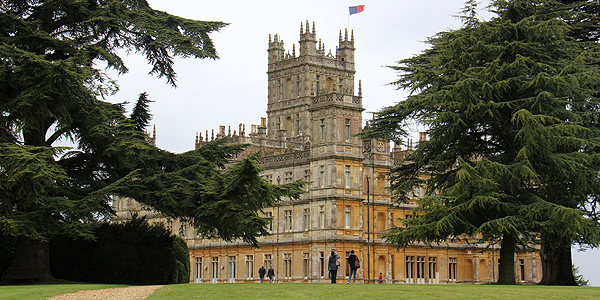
314, 111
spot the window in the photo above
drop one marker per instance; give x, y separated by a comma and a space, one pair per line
522, 269
322, 264
321, 176
452, 268
318, 84
322, 121
268, 260
182, 230
305, 264
348, 217
198, 268
347, 177
297, 124
340, 85
249, 266
232, 267
432, 268
269, 215
215, 267
298, 86
347, 129
410, 267
307, 177
306, 219
279, 90
322, 216
269, 178
287, 265
287, 220
289, 177
420, 267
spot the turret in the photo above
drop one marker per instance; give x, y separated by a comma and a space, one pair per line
276, 49
308, 41
345, 50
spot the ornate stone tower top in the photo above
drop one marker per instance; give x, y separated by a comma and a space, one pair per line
296, 83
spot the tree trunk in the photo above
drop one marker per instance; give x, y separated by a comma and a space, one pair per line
33, 253
557, 266
506, 272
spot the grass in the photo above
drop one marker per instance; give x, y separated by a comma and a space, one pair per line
321, 291
43, 291
370, 291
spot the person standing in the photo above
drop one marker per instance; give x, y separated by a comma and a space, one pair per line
333, 265
261, 273
354, 264
271, 274
380, 278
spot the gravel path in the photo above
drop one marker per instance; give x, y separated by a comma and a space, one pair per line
126, 293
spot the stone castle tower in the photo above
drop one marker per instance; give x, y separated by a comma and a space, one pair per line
313, 116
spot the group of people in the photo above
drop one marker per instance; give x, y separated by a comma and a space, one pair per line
262, 271
333, 265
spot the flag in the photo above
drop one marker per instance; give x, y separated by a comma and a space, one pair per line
356, 9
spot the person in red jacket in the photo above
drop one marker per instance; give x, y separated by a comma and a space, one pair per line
380, 277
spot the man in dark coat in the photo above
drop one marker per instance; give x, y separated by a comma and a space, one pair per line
352, 258
271, 274
261, 272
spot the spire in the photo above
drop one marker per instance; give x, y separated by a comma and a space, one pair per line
346, 35
301, 29
352, 35
154, 132
314, 30
294, 50
206, 135
340, 36
270, 38
196, 137
359, 88
307, 27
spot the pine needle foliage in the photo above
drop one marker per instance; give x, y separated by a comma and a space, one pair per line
511, 108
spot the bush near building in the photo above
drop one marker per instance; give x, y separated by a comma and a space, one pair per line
130, 253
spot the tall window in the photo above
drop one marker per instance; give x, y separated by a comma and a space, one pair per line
249, 266
347, 129
432, 268
269, 215
215, 267
322, 216
279, 90
268, 260
232, 267
287, 265
348, 217
420, 267
452, 268
183, 230
340, 85
297, 124
289, 177
306, 219
318, 85
321, 176
307, 177
198, 268
347, 177
410, 267
322, 121
297, 86
287, 220
305, 264
522, 269
322, 264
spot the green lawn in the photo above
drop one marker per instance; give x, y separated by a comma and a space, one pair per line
321, 291
370, 292
43, 291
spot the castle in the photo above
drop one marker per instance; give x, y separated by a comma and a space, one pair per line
313, 116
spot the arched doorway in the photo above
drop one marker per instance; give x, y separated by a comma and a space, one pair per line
381, 267
468, 270
483, 270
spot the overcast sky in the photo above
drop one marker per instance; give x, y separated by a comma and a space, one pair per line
233, 89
